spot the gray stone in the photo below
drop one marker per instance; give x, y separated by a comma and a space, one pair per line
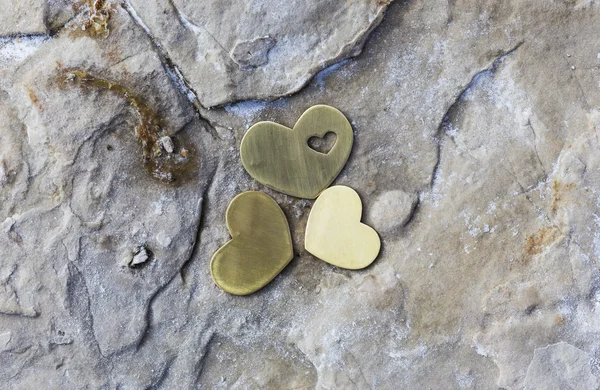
475, 156
22, 17
256, 50
560, 366
391, 210
252, 53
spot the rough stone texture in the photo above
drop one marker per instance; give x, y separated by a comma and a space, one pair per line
256, 49
476, 156
60, 12
22, 17
560, 366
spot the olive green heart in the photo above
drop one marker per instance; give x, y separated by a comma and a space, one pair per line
260, 246
280, 158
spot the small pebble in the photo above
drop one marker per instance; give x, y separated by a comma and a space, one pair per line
163, 239
167, 144
140, 257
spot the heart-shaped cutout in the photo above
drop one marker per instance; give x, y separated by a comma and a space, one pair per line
260, 247
322, 144
335, 234
280, 157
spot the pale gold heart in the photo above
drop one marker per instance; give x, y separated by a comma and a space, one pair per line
335, 234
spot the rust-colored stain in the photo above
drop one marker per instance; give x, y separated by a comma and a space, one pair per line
76, 6
535, 243
559, 191
114, 55
56, 195
560, 320
35, 100
96, 25
371, 186
165, 165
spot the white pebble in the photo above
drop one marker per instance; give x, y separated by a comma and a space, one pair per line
167, 144
163, 239
140, 257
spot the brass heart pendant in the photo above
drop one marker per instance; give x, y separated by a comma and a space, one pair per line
335, 234
280, 158
260, 247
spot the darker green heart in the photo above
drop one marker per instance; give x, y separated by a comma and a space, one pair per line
280, 158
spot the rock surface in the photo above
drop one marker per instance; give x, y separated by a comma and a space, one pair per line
560, 366
476, 157
255, 49
22, 17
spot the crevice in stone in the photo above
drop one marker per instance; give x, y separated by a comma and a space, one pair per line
305, 358
164, 373
525, 192
360, 371
352, 49
579, 86
535, 146
125, 59
199, 366
76, 284
451, 112
201, 219
185, 21
194, 249
413, 211
145, 333
455, 105
450, 18
175, 74
183, 269
18, 36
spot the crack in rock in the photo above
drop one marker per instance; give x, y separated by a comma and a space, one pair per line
296, 50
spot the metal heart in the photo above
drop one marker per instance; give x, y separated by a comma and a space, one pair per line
335, 234
260, 247
280, 158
